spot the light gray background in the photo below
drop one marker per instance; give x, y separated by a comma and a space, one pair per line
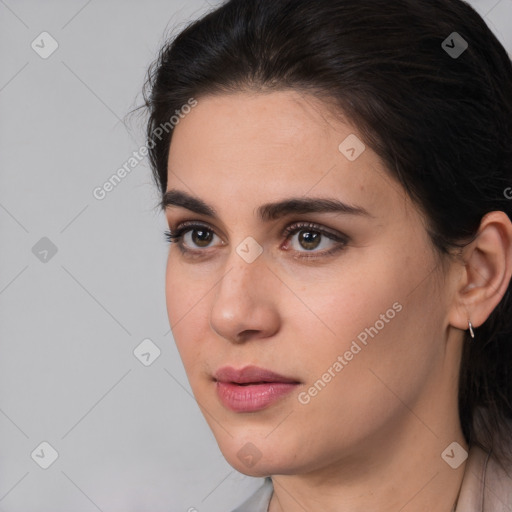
129, 437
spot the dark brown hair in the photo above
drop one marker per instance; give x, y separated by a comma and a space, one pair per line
442, 123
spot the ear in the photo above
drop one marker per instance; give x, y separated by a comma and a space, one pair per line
486, 274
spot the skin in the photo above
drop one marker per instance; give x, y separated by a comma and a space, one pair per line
372, 438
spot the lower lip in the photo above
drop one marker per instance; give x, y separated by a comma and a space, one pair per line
252, 397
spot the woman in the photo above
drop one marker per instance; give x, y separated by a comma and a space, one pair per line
334, 175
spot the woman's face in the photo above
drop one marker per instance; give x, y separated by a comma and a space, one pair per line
348, 305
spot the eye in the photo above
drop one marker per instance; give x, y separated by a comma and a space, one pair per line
195, 235
311, 237
189, 236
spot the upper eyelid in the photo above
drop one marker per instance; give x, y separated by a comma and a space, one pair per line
190, 225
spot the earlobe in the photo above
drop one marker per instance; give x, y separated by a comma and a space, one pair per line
487, 272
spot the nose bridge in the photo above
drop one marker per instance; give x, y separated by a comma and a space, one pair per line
241, 301
244, 272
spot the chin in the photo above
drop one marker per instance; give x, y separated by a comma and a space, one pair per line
261, 469
248, 459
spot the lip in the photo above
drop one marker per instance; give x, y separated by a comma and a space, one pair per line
250, 375
251, 388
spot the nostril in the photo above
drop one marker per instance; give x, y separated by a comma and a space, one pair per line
246, 334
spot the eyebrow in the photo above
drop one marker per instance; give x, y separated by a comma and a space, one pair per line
267, 212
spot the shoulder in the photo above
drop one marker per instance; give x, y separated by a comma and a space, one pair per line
259, 500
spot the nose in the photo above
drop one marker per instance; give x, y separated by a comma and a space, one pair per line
245, 301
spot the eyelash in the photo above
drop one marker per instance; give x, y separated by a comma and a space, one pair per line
289, 231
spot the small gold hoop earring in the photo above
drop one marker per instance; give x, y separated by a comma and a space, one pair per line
471, 332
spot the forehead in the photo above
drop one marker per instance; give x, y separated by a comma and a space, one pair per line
286, 123
257, 147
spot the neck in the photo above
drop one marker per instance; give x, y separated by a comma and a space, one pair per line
401, 468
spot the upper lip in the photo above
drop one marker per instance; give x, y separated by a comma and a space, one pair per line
249, 374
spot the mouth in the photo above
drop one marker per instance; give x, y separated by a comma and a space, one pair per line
251, 388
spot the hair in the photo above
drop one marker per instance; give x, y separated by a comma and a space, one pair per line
441, 124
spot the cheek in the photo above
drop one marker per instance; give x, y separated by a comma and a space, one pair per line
342, 306
384, 347
174, 288
184, 307
375, 320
